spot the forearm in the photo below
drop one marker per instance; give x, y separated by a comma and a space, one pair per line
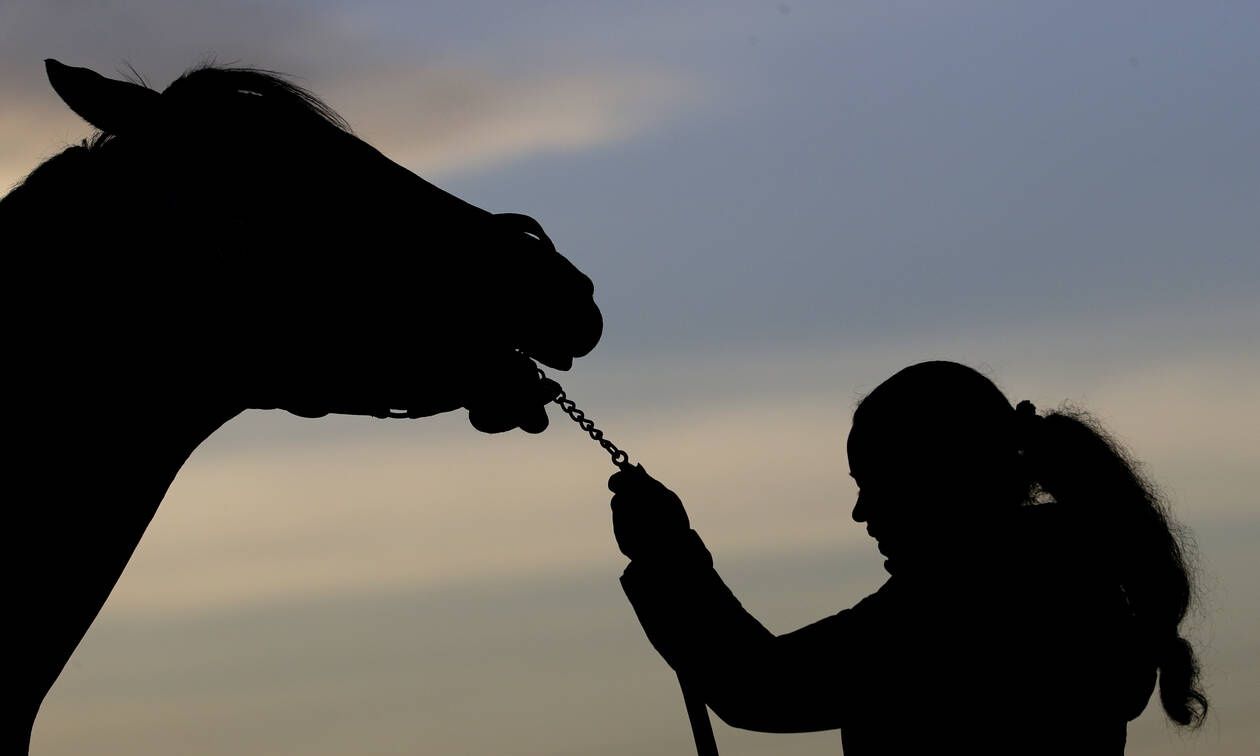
751, 678
687, 612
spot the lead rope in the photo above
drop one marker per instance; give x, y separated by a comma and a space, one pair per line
697, 712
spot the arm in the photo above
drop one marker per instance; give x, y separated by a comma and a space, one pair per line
807, 680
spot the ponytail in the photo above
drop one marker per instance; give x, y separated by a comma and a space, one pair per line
1070, 458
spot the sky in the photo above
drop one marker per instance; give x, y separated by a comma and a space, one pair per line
780, 204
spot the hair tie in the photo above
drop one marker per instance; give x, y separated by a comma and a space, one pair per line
1026, 421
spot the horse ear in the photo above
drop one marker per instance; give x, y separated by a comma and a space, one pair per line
115, 107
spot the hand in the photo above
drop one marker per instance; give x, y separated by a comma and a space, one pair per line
648, 518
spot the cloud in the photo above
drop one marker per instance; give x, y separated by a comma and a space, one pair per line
438, 122
439, 117
445, 120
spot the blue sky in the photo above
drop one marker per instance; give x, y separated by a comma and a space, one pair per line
780, 204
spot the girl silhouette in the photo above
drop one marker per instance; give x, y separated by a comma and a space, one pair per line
1036, 587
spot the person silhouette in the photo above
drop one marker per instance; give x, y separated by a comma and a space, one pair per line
1035, 588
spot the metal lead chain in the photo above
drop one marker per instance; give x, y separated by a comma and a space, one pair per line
619, 457
697, 712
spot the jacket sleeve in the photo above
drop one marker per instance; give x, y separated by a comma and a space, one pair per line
811, 679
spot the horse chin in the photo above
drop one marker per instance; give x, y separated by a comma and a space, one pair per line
556, 361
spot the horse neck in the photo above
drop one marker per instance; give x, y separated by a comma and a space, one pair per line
125, 443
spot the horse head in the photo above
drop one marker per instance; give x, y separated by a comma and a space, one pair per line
232, 234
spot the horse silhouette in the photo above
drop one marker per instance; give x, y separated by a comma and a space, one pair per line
1037, 584
224, 244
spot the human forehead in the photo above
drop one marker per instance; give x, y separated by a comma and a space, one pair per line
869, 451
870, 438
880, 449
